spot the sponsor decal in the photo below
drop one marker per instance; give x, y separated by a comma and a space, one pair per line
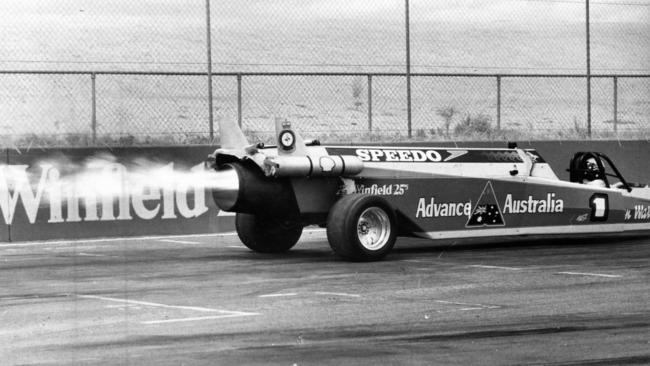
423, 155
432, 155
401, 155
287, 140
97, 200
487, 211
548, 204
382, 189
442, 209
582, 218
639, 212
327, 164
505, 156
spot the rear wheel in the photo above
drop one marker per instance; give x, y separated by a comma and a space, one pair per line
361, 227
267, 235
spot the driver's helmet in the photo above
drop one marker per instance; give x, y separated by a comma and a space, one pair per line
591, 169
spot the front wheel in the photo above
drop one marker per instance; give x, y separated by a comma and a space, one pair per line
267, 235
361, 227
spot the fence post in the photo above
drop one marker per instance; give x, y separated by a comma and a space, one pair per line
588, 73
615, 104
499, 102
209, 55
239, 108
369, 103
408, 70
93, 91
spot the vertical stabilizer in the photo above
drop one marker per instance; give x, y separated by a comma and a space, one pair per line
289, 141
231, 135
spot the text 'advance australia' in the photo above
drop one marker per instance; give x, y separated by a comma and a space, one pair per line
429, 207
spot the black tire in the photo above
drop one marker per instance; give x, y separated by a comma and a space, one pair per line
346, 228
267, 235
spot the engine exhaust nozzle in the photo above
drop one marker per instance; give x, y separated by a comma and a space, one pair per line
225, 191
246, 189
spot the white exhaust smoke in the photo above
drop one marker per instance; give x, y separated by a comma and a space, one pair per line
103, 188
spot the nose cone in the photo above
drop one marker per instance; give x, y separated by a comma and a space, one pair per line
225, 190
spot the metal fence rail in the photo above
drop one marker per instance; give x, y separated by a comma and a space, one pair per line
127, 107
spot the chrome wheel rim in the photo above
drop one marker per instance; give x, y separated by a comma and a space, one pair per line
373, 228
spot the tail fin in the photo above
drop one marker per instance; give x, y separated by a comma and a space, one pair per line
289, 141
231, 135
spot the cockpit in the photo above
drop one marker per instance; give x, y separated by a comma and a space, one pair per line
589, 168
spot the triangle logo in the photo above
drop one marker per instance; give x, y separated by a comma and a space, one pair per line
487, 211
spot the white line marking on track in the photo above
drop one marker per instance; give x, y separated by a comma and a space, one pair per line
279, 295
480, 306
415, 261
336, 294
435, 262
193, 319
22, 259
590, 274
333, 276
91, 255
236, 247
495, 267
154, 304
130, 238
179, 241
108, 240
20, 297
123, 306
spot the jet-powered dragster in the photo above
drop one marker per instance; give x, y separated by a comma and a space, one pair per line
366, 196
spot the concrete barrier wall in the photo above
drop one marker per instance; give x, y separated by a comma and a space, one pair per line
43, 193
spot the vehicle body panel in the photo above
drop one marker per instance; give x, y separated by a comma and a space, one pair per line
488, 192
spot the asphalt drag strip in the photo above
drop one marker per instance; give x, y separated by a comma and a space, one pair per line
207, 300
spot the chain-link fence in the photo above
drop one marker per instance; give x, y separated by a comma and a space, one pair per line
131, 108
120, 72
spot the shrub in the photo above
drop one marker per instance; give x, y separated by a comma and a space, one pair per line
358, 88
447, 113
474, 125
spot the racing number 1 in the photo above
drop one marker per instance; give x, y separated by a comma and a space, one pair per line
599, 204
